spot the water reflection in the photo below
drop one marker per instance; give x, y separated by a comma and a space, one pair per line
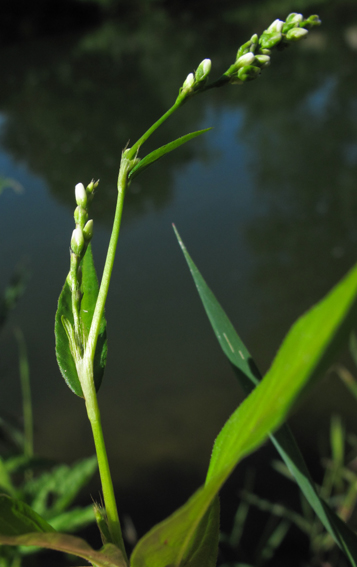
265, 203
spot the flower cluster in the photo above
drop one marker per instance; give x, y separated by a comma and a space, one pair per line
83, 232
81, 236
196, 81
254, 55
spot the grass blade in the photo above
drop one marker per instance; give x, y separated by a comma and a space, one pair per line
249, 377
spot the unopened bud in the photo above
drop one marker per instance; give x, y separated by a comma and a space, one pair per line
295, 34
246, 59
268, 40
189, 82
77, 241
294, 18
254, 41
92, 186
311, 22
248, 73
88, 231
276, 26
203, 70
248, 46
262, 60
81, 195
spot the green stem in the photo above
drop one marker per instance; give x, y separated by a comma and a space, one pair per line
102, 457
26, 394
109, 262
135, 148
85, 368
131, 153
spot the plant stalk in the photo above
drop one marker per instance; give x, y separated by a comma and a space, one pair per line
86, 368
94, 417
109, 262
26, 394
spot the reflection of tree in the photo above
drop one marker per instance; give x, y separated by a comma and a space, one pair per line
71, 111
305, 165
73, 104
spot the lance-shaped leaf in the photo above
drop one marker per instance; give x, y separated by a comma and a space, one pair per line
65, 360
301, 358
160, 152
249, 376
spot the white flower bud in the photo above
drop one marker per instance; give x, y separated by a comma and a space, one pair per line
88, 230
296, 33
276, 26
263, 60
206, 66
92, 186
77, 241
81, 195
203, 71
294, 18
244, 60
189, 82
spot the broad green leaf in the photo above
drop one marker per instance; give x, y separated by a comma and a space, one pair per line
203, 549
248, 376
160, 152
170, 542
65, 361
303, 356
17, 518
108, 556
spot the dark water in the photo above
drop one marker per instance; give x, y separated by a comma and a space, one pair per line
266, 204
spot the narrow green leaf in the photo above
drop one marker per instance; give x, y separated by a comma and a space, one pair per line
353, 346
299, 360
108, 556
12, 434
17, 518
65, 360
347, 378
160, 152
248, 376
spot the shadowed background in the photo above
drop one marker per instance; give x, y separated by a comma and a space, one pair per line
266, 204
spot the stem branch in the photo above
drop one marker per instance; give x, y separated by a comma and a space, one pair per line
133, 150
109, 262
